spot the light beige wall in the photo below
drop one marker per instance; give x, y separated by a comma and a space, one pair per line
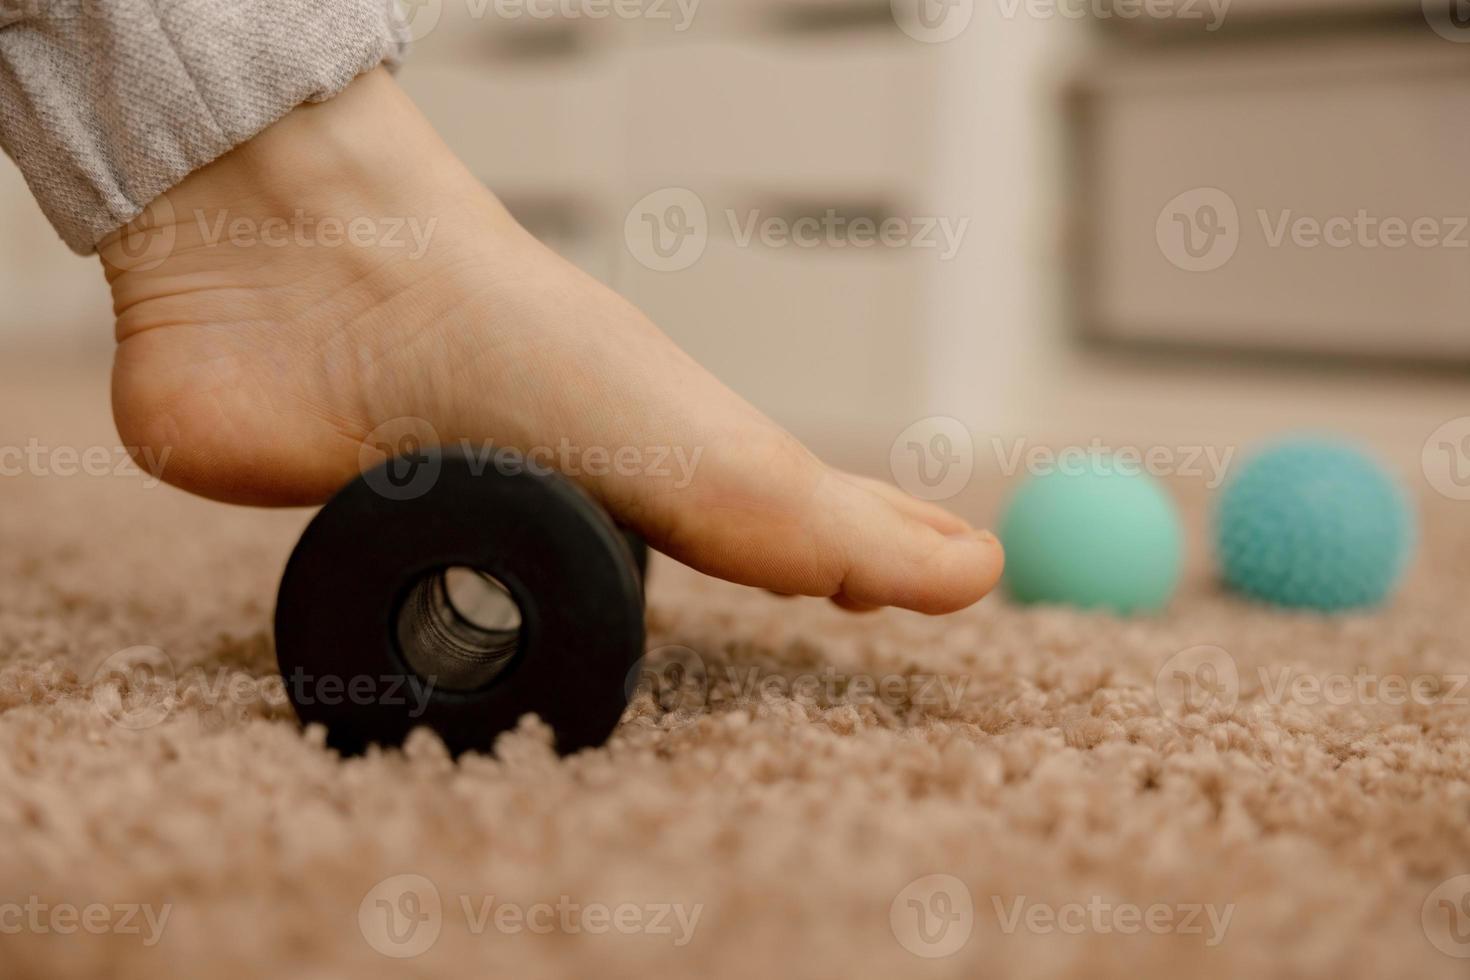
51, 301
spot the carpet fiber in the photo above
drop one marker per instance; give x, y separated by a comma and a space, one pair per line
778, 813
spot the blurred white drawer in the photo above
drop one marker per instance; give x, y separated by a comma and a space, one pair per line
707, 20
482, 32
1290, 197
800, 115
475, 31
1214, 16
808, 335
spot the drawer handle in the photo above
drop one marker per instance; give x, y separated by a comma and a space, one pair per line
545, 42
791, 212
822, 18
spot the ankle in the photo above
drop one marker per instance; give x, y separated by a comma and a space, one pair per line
319, 176
352, 151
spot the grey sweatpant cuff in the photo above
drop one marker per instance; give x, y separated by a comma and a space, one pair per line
106, 104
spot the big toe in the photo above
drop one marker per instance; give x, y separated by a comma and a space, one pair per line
897, 552
796, 527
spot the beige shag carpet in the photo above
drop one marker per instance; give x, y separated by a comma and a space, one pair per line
772, 824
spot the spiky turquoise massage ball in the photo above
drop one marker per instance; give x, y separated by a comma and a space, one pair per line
1097, 536
1314, 523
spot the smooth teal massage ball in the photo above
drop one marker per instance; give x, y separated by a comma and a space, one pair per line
1097, 535
1314, 523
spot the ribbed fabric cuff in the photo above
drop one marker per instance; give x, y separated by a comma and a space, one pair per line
106, 104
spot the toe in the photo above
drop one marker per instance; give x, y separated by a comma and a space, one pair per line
801, 528
844, 603
931, 514
895, 558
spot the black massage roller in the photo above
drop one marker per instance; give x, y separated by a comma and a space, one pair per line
438, 591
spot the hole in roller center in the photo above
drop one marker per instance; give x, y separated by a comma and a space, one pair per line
459, 627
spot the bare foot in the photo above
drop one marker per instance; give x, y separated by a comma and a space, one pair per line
261, 358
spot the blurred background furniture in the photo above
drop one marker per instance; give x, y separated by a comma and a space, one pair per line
1048, 321
775, 108
1326, 157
